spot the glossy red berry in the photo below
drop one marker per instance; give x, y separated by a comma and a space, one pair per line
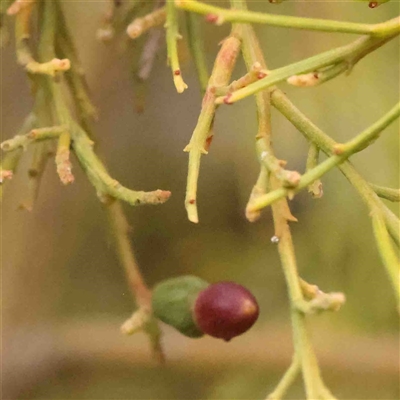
225, 310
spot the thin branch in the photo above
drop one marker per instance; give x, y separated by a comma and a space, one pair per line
34, 135
343, 152
143, 319
172, 37
196, 46
315, 387
63, 162
389, 257
198, 144
220, 15
350, 54
287, 380
386, 193
314, 188
326, 144
141, 25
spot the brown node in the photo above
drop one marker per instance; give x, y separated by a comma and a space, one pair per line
261, 75
373, 4
192, 201
213, 18
177, 72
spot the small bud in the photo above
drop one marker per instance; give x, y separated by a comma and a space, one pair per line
225, 310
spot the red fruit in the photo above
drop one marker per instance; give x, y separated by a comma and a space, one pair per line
225, 310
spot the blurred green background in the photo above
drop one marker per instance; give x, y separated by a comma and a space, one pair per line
64, 293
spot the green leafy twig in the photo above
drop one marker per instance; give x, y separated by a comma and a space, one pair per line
349, 54
220, 15
198, 145
327, 145
343, 152
315, 387
172, 37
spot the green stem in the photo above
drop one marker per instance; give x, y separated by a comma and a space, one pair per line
326, 144
196, 46
350, 54
220, 15
345, 151
172, 37
315, 387
141, 293
389, 257
386, 193
312, 161
287, 380
223, 66
34, 135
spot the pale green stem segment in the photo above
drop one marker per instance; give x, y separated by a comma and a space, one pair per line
350, 54
10, 161
287, 380
75, 76
343, 152
198, 144
315, 188
220, 15
326, 144
196, 46
315, 387
386, 193
82, 145
142, 294
389, 257
141, 25
34, 135
173, 36
379, 211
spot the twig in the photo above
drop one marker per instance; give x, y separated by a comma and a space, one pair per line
220, 15
197, 146
34, 135
63, 162
173, 36
389, 257
139, 289
315, 387
41, 154
350, 54
386, 193
343, 152
141, 25
195, 42
287, 380
314, 188
326, 144
75, 77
